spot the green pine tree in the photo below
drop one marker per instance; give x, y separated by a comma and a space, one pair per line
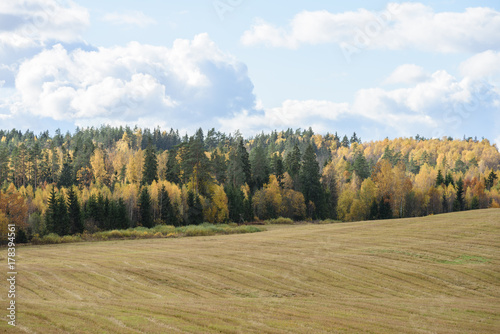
439, 179
150, 170
74, 213
310, 181
145, 208
239, 169
260, 167
173, 168
459, 203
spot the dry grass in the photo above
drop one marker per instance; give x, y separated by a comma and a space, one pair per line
438, 274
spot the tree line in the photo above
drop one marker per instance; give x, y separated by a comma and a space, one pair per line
115, 178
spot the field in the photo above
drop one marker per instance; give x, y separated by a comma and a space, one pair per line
437, 274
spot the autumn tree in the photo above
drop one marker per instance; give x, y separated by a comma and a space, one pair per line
329, 180
217, 209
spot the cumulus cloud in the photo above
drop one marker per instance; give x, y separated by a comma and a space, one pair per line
182, 86
435, 105
407, 74
34, 23
291, 114
399, 26
481, 65
133, 18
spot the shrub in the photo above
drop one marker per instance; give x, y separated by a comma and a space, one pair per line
71, 238
51, 238
279, 220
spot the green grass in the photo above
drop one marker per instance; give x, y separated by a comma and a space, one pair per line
437, 274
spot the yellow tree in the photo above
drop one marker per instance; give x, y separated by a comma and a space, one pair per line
4, 222
293, 204
217, 210
345, 202
99, 167
268, 200
134, 167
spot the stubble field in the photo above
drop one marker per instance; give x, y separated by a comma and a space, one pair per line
438, 274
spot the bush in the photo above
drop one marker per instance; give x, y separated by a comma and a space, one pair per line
328, 221
115, 234
159, 231
279, 220
51, 238
71, 238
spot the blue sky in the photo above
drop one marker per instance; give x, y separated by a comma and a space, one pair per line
382, 69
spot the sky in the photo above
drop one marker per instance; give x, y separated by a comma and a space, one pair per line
380, 69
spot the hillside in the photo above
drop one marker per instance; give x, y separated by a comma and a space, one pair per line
418, 275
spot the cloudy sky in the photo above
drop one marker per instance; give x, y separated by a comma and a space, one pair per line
381, 69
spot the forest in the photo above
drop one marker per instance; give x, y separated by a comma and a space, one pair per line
107, 178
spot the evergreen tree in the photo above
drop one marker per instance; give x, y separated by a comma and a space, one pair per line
74, 213
66, 177
33, 158
355, 139
360, 166
196, 165
345, 142
490, 180
195, 209
4, 164
219, 166
444, 203
121, 215
145, 208
440, 179
51, 213
173, 168
373, 214
167, 213
449, 179
239, 169
248, 214
384, 208
260, 168
57, 220
310, 182
459, 203
278, 168
150, 170
293, 163
235, 203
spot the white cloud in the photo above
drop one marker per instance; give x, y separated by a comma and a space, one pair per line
407, 74
184, 85
434, 105
399, 26
33, 23
481, 65
136, 18
292, 113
